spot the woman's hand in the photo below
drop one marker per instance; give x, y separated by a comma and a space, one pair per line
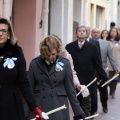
38, 113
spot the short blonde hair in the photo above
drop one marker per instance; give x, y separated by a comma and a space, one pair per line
48, 44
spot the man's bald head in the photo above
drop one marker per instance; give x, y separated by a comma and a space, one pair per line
95, 33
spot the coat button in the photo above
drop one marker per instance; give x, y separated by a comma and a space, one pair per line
44, 97
51, 95
55, 81
43, 88
41, 81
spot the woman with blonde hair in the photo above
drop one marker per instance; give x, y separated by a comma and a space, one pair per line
51, 79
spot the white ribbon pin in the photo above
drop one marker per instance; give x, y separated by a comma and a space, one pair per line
9, 62
59, 66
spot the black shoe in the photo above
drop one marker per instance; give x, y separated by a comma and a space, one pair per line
82, 116
105, 109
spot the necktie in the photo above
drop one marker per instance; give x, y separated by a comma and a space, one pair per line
80, 45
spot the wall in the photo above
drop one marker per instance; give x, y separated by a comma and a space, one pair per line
25, 27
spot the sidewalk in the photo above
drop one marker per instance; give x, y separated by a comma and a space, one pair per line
113, 108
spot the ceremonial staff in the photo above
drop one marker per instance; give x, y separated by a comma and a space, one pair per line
116, 75
88, 85
53, 111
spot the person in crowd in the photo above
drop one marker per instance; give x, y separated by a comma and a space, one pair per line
114, 39
104, 34
119, 31
91, 40
66, 55
96, 43
13, 80
106, 52
76, 82
86, 59
51, 79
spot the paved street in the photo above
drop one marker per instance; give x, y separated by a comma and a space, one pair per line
113, 108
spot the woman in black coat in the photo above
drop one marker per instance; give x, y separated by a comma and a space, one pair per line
51, 78
13, 79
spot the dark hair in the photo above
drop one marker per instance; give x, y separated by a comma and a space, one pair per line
102, 33
13, 40
81, 27
112, 24
109, 36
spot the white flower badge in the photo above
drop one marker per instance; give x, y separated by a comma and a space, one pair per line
9, 62
59, 66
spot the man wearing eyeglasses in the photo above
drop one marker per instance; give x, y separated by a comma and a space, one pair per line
86, 60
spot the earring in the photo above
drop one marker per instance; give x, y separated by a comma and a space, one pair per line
8, 37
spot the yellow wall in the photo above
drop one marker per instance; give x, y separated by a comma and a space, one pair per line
93, 9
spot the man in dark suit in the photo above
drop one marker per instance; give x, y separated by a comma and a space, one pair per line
86, 60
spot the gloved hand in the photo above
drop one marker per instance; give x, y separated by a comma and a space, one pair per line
84, 91
39, 114
78, 117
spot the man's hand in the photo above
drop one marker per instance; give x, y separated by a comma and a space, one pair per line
118, 71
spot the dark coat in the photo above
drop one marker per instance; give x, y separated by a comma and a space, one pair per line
96, 43
53, 89
86, 60
13, 82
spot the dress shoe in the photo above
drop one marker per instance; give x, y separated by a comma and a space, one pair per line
105, 109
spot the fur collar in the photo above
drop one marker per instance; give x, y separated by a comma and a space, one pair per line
10, 50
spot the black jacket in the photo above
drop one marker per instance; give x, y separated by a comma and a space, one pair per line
13, 82
86, 60
95, 42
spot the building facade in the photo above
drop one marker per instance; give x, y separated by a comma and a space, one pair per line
33, 20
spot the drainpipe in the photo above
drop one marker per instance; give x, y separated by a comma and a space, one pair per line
7, 5
45, 13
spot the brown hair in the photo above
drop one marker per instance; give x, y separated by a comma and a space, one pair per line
103, 32
109, 35
81, 27
48, 44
